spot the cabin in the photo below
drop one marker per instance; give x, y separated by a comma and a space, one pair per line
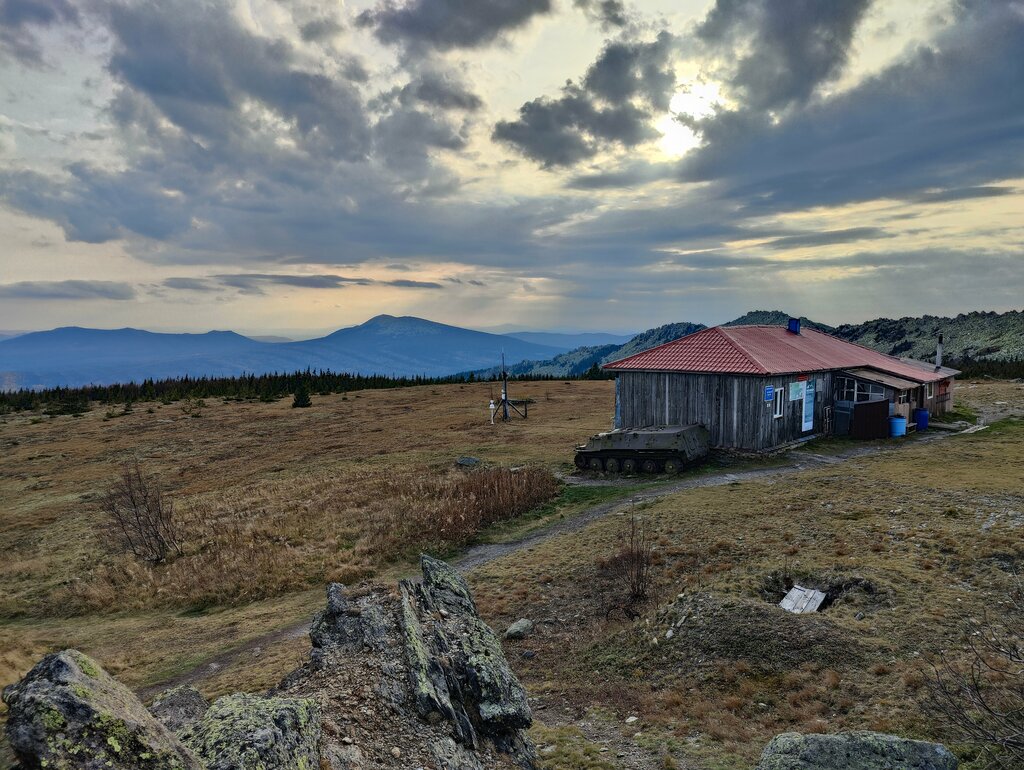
762, 387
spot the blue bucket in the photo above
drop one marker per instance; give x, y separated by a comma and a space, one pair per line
921, 418
897, 426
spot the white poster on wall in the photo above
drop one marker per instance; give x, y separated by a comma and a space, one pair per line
808, 406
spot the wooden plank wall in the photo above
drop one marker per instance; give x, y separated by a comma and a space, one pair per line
731, 407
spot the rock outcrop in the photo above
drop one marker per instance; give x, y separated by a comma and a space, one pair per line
854, 751
396, 678
68, 713
243, 731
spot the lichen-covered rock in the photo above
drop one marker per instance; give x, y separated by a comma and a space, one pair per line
69, 714
854, 751
339, 623
250, 732
179, 707
460, 665
520, 629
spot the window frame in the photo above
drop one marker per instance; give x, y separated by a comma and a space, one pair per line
779, 403
929, 390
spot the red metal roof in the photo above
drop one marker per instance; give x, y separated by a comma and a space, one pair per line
768, 350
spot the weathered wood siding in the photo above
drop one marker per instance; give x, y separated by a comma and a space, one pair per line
731, 407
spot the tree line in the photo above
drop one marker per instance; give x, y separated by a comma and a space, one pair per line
250, 387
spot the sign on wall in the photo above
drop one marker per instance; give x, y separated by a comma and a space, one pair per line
796, 391
769, 392
808, 423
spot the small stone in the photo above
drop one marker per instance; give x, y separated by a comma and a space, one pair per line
520, 629
669, 634
859, 616
396, 752
529, 654
631, 720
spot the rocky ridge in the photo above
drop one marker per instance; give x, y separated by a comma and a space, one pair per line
395, 678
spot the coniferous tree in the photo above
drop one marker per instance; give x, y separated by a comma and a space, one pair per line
301, 399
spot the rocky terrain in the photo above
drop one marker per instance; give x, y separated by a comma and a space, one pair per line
395, 678
408, 678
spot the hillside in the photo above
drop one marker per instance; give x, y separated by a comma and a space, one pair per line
976, 335
405, 346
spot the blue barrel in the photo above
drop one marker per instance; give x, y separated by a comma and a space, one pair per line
921, 418
897, 426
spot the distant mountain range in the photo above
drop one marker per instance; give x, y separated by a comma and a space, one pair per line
386, 345
408, 346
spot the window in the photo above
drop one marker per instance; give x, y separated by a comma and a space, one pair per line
845, 389
780, 402
902, 398
867, 391
929, 390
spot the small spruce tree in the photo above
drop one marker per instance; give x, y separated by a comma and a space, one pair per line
301, 399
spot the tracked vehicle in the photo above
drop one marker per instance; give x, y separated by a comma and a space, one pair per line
644, 450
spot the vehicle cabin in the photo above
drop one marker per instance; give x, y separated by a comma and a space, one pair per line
762, 387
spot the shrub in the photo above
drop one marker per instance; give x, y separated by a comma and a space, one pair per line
625, 577
981, 700
139, 518
301, 399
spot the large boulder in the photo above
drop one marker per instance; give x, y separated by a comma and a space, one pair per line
179, 707
251, 732
68, 713
854, 751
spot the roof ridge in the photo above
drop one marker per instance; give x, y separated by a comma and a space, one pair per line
658, 347
741, 350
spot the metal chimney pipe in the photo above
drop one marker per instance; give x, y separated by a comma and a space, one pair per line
938, 353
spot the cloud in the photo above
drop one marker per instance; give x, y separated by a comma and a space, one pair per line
67, 290
20, 20
609, 14
611, 106
947, 115
448, 24
961, 194
188, 284
828, 238
786, 50
315, 30
254, 283
440, 89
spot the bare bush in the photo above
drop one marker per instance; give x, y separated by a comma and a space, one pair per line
443, 512
140, 518
981, 699
625, 578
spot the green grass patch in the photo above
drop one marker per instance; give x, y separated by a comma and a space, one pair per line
961, 412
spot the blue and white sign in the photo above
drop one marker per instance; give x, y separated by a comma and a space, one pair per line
769, 392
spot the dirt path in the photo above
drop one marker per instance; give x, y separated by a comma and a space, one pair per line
795, 461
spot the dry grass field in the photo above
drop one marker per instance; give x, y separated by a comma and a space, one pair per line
278, 501
920, 539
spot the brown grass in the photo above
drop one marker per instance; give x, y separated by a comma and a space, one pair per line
928, 565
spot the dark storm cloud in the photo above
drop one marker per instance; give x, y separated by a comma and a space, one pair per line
949, 115
316, 30
449, 24
67, 290
629, 68
612, 106
201, 68
828, 238
609, 14
791, 47
442, 90
21, 19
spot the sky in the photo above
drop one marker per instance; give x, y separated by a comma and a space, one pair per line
292, 167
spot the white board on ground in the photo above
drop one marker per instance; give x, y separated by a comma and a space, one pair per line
801, 600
